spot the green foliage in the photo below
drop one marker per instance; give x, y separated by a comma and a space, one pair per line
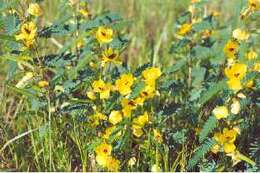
207, 128
200, 152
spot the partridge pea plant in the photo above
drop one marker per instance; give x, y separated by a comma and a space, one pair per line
78, 105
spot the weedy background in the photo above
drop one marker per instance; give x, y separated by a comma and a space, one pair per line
150, 29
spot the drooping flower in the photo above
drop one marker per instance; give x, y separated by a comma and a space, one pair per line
104, 34
115, 117
35, 10
240, 34
156, 168
220, 112
99, 86
124, 84
230, 49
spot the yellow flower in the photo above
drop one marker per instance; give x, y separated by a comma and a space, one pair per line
91, 95
94, 119
254, 4
102, 160
250, 84
234, 84
137, 131
151, 74
220, 112
226, 139
131, 162
156, 168
112, 164
109, 55
229, 147
25, 79
230, 135
103, 149
43, 83
99, 86
256, 67
184, 29
236, 71
115, 117
104, 35
27, 34
231, 48
124, 84
157, 136
128, 106
84, 12
240, 34
109, 132
235, 107
141, 120
251, 55
215, 149
35, 10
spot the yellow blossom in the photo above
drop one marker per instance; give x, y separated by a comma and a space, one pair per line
236, 71
215, 149
102, 160
254, 4
124, 84
251, 55
249, 84
35, 9
112, 164
99, 86
91, 95
229, 147
109, 55
184, 29
115, 117
256, 67
27, 34
84, 12
231, 48
151, 74
131, 162
103, 149
141, 120
240, 34
220, 112
25, 79
104, 35
137, 131
234, 84
156, 168
157, 136
43, 83
235, 107
128, 106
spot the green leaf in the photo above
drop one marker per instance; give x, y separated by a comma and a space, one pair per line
208, 127
200, 152
137, 90
176, 66
212, 91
